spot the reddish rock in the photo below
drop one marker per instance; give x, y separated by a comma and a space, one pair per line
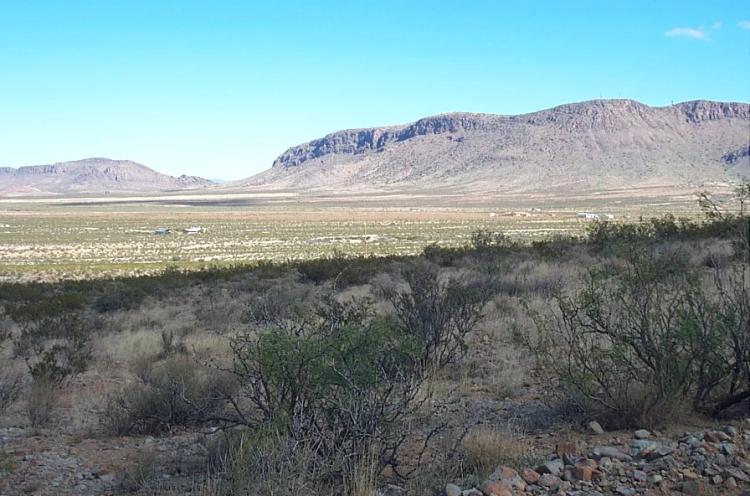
506, 472
530, 476
583, 472
716, 437
495, 488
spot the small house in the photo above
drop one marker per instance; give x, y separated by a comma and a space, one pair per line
193, 230
162, 230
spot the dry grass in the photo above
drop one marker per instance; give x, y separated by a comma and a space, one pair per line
484, 449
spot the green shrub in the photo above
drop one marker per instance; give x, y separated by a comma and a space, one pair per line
119, 296
639, 341
55, 348
341, 381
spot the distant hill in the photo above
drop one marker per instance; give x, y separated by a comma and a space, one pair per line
575, 147
91, 175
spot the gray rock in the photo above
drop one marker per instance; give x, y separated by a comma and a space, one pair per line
656, 479
662, 451
737, 474
730, 430
550, 481
596, 427
643, 447
639, 475
452, 490
642, 434
611, 452
553, 467
625, 491
390, 490
694, 488
728, 449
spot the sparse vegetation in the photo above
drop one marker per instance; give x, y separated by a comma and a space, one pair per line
345, 373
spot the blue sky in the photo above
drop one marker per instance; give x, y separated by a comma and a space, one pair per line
220, 88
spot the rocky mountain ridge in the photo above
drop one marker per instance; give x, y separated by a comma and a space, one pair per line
588, 144
92, 175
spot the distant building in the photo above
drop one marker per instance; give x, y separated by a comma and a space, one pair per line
193, 230
587, 216
162, 230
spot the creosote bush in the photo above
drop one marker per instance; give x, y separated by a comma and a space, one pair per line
343, 383
169, 392
640, 341
440, 312
55, 348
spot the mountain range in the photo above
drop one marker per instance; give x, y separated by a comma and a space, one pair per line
582, 146
577, 147
92, 176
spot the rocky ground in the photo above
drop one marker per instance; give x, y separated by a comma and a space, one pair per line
32, 464
704, 462
694, 463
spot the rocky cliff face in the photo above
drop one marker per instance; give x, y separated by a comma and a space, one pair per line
588, 144
596, 115
93, 175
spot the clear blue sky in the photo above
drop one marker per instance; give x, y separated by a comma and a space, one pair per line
220, 88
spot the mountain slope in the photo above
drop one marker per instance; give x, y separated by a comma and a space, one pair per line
91, 175
581, 146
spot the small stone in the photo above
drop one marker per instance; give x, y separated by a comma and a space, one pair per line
452, 490
596, 428
642, 434
643, 447
390, 490
730, 430
694, 488
690, 475
625, 491
553, 467
611, 452
495, 488
583, 472
731, 483
530, 476
509, 477
472, 492
639, 475
728, 449
656, 479
737, 474
506, 472
661, 452
717, 480
550, 481
716, 437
